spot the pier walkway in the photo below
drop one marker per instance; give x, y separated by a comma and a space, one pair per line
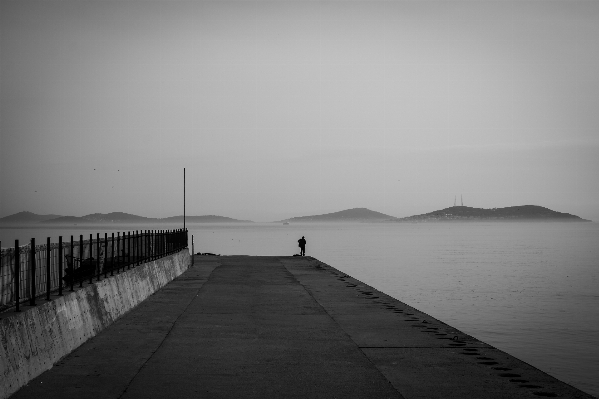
284, 327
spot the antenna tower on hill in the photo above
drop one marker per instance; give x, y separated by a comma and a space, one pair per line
454, 197
462, 199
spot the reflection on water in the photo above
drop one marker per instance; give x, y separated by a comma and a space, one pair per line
529, 289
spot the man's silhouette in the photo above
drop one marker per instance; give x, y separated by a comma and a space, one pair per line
302, 245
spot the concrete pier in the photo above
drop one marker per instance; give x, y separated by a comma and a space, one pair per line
284, 327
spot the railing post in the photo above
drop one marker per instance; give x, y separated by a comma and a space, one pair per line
105, 255
112, 256
124, 251
33, 265
118, 251
17, 275
98, 255
91, 252
128, 250
81, 259
72, 266
137, 249
48, 253
144, 246
141, 247
60, 265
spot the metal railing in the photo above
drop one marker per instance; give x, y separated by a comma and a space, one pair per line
28, 272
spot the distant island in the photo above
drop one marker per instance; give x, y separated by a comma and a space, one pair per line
362, 215
511, 213
113, 217
454, 213
348, 215
27, 217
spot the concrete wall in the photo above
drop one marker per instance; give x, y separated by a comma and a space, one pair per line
31, 342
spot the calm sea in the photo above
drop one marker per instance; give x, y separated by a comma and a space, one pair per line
529, 289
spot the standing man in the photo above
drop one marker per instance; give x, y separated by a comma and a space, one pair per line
302, 245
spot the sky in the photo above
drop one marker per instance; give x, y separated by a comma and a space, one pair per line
289, 108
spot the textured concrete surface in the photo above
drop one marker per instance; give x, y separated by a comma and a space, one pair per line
269, 327
33, 340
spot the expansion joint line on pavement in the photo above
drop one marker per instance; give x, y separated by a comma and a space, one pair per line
342, 329
164, 339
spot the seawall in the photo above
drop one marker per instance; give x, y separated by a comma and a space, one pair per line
32, 341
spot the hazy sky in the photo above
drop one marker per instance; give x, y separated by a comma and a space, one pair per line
290, 108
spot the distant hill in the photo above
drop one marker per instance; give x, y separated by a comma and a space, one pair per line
521, 212
348, 215
27, 217
204, 219
117, 217
112, 217
121, 217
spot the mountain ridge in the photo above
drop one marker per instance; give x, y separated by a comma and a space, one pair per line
111, 217
456, 213
27, 217
348, 215
518, 212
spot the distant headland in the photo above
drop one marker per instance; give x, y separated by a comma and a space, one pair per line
113, 217
454, 213
510, 213
348, 215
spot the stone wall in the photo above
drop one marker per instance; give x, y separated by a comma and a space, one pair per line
31, 342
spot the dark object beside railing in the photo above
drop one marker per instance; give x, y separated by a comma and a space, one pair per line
81, 271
